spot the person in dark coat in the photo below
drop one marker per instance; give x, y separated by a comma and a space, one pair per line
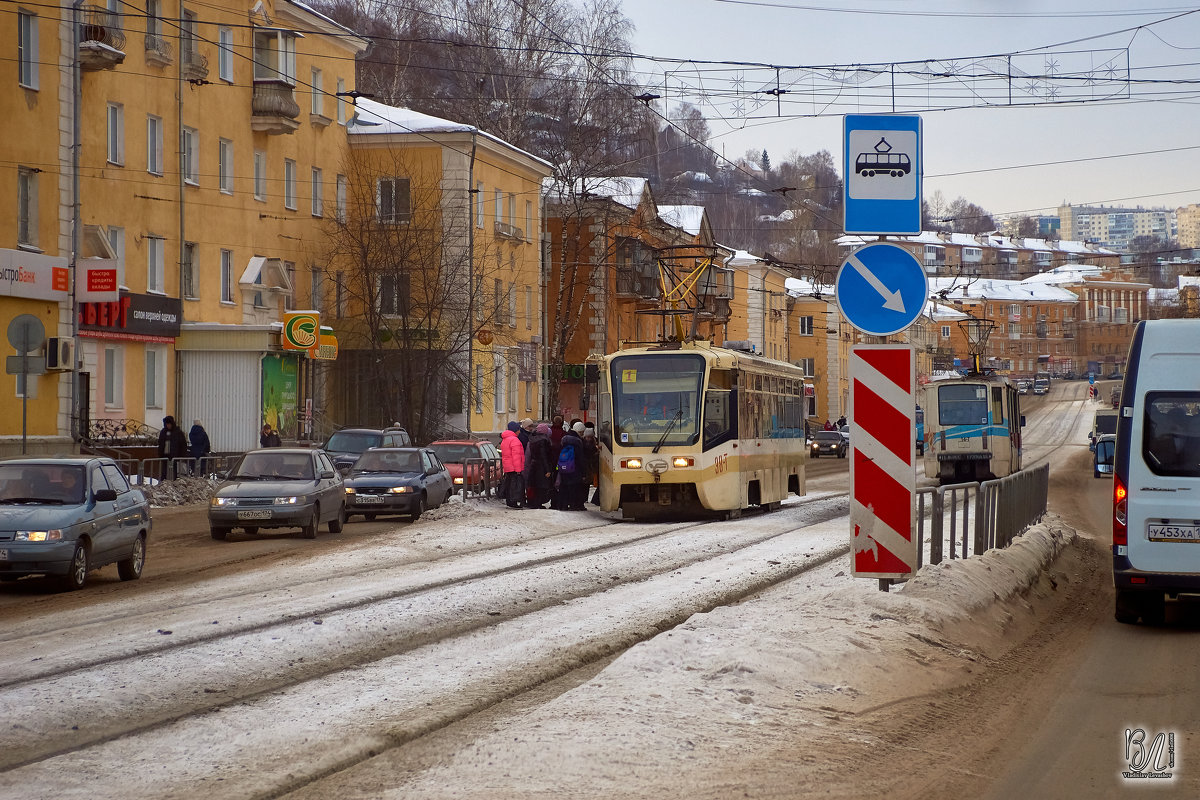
525, 432
200, 447
539, 467
172, 444
556, 436
570, 477
268, 438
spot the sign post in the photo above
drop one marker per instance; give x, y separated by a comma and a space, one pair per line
26, 332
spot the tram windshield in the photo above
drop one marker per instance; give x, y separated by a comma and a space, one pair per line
656, 396
962, 404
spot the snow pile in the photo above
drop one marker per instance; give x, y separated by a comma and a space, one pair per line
181, 491
456, 508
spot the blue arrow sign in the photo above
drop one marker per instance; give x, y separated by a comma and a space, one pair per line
881, 171
881, 289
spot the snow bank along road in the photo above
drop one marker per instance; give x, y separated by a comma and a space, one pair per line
292, 676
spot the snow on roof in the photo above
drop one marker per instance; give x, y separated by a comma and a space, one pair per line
1068, 273
798, 287
694, 177
991, 240
1170, 296
751, 192
743, 258
626, 191
787, 215
939, 312
1189, 280
991, 289
330, 20
686, 218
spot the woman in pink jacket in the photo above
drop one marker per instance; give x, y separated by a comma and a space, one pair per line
512, 460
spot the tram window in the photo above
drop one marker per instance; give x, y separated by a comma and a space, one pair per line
604, 417
720, 379
962, 404
719, 417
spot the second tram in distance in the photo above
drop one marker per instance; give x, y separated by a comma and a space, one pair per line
689, 429
972, 428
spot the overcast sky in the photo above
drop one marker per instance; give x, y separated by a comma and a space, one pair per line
989, 143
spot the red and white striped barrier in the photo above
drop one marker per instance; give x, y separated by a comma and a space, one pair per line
883, 450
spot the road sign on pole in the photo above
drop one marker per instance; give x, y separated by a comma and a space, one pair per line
883, 453
881, 170
881, 289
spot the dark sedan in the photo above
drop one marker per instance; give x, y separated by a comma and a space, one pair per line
828, 443
279, 488
396, 480
64, 517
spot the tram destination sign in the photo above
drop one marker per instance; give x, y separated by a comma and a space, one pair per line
881, 168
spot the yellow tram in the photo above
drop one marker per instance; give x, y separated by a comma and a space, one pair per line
688, 429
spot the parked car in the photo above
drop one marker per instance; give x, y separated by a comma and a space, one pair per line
828, 443
397, 480
1115, 376
64, 517
454, 453
279, 487
345, 446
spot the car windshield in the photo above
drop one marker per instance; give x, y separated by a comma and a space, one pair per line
41, 484
352, 441
286, 466
384, 461
828, 436
456, 453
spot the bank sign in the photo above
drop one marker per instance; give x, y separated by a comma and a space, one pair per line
33, 276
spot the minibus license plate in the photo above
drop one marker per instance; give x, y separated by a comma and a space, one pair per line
1173, 533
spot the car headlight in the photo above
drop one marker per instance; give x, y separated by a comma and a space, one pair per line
288, 501
351, 490
458, 480
217, 502
401, 489
52, 535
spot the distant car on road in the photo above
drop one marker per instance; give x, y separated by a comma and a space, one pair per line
1023, 387
64, 517
397, 480
345, 446
831, 443
1041, 386
454, 453
279, 487
1115, 376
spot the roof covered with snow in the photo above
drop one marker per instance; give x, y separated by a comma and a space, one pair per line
991, 289
686, 218
625, 191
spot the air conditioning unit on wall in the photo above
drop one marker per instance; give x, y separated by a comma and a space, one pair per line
60, 353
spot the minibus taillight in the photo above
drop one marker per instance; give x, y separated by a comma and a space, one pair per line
1120, 507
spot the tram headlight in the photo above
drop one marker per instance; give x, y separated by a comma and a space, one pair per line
682, 462
631, 463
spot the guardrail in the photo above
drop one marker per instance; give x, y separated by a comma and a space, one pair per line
965, 519
145, 470
489, 477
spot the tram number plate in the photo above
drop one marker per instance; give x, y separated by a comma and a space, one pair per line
721, 464
263, 514
369, 499
1173, 533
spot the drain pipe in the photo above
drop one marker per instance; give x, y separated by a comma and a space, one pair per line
472, 213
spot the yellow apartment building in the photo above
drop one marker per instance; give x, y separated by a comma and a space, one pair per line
437, 272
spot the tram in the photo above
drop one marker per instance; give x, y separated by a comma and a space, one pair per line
972, 428
687, 429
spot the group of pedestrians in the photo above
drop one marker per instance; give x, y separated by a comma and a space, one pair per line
549, 463
174, 446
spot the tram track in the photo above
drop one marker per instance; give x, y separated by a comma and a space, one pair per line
453, 609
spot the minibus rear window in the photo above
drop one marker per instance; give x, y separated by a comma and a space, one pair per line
1171, 433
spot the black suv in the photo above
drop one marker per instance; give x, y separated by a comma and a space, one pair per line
345, 446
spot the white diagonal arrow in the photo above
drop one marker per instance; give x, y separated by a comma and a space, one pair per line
891, 300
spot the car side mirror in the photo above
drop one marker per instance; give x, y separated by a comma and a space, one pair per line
327, 474
105, 495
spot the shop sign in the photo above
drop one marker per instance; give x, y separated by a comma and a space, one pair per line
280, 393
133, 315
33, 276
97, 281
301, 331
327, 350
571, 373
527, 362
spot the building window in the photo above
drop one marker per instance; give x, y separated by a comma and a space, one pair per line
289, 184
512, 305
191, 156
392, 200
498, 384
318, 96
187, 271
315, 287
806, 326
498, 304
478, 388
341, 101
529, 220
945, 331
27, 217
341, 198
225, 54
27, 50
114, 377
1014, 309
499, 201
528, 308
116, 240
529, 396
226, 276
479, 204
116, 134
512, 210
806, 365
156, 378
275, 56
289, 299
260, 175
155, 275
393, 295
154, 145
225, 166
339, 295
317, 192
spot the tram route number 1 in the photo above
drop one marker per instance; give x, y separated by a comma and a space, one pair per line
721, 464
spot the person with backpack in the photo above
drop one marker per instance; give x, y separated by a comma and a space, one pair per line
539, 467
571, 465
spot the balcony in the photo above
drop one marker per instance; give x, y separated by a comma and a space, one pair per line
717, 284
101, 40
195, 64
506, 231
714, 308
158, 51
273, 108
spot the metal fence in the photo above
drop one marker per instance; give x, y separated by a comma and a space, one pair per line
145, 470
481, 477
966, 519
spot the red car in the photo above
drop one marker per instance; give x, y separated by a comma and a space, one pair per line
454, 453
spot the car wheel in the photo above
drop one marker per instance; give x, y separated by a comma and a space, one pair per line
77, 575
251, 529
842, 454
131, 568
369, 517
337, 523
420, 509
219, 533
1129, 607
310, 530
